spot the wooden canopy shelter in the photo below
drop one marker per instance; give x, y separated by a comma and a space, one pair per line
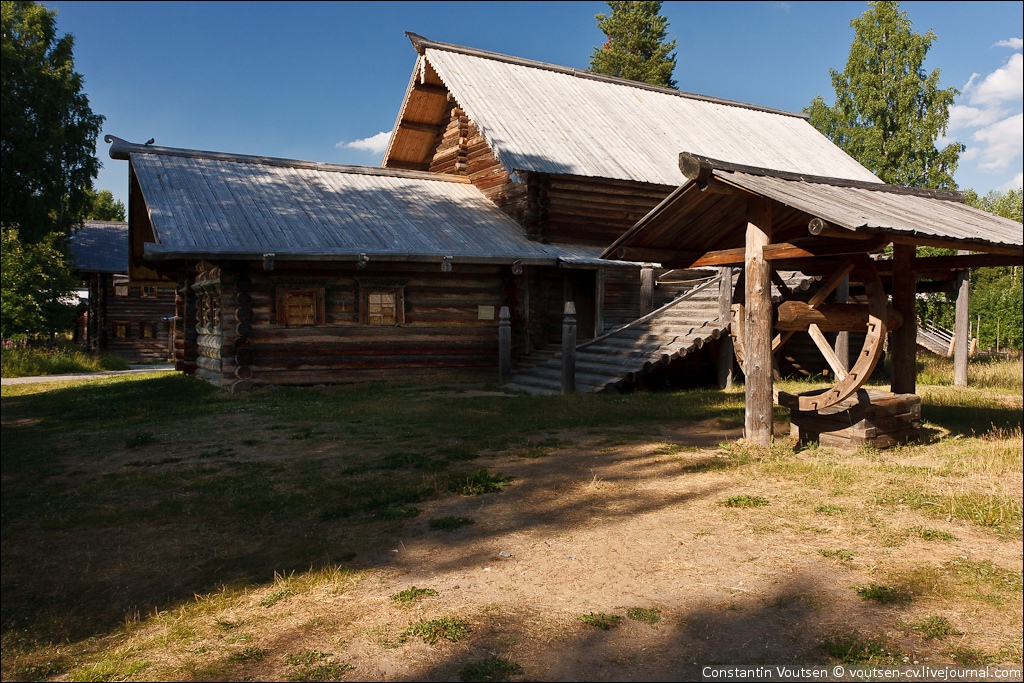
762, 219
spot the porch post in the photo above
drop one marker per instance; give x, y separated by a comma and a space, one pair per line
903, 342
504, 346
962, 326
569, 348
758, 324
725, 351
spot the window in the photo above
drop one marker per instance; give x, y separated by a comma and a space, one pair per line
300, 307
381, 308
147, 330
120, 290
381, 305
120, 330
149, 291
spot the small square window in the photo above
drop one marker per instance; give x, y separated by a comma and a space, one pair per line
120, 290
301, 307
120, 330
149, 291
147, 330
383, 306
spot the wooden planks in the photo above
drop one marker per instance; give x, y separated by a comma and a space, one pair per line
869, 418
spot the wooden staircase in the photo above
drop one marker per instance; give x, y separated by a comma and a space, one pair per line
936, 339
618, 358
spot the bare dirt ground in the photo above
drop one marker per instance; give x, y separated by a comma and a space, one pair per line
594, 521
599, 527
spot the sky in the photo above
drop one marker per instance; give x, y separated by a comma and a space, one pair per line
324, 81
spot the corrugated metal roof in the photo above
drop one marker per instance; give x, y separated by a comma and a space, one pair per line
549, 119
205, 204
100, 247
885, 212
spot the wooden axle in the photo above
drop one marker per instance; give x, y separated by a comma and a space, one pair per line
829, 317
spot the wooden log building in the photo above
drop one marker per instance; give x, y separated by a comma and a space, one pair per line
129, 318
503, 184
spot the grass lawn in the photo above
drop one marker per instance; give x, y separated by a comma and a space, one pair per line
156, 528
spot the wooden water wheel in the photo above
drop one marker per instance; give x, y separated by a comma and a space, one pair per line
817, 317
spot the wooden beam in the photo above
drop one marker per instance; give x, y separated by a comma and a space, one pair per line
903, 341
418, 127
829, 317
760, 403
915, 240
430, 89
959, 262
678, 258
408, 165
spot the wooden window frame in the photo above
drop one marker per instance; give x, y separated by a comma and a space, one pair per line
115, 326
319, 309
120, 290
147, 327
151, 294
366, 288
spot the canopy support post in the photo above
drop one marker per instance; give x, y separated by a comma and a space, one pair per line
903, 342
758, 324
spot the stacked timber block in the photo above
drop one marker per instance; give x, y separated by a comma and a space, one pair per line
879, 419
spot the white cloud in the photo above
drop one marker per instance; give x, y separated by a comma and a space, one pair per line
987, 117
1015, 43
1005, 84
1015, 184
375, 143
1000, 143
962, 116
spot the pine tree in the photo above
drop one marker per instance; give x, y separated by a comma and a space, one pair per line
636, 47
888, 112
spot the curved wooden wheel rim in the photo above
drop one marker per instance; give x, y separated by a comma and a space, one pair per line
869, 354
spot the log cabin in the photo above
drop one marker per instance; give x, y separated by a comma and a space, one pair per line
293, 272
129, 319
503, 182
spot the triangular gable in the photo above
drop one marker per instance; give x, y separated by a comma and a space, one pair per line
549, 119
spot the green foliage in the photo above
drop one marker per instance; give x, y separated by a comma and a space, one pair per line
49, 133
314, 665
26, 361
103, 207
448, 628
477, 483
854, 648
411, 595
647, 615
885, 595
996, 294
636, 47
605, 622
36, 284
888, 112
745, 502
491, 669
838, 554
933, 627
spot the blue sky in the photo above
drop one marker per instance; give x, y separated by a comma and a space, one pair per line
318, 81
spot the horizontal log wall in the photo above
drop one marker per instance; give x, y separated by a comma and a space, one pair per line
462, 150
442, 326
594, 210
136, 312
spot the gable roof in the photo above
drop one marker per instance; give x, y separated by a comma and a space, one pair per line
693, 219
550, 119
100, 247
217, 205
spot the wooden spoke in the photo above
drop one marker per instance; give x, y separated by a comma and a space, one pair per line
878, 319
827, 351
